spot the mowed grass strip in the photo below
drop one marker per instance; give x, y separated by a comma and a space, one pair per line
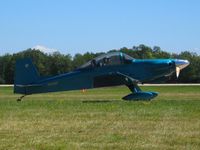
99, 119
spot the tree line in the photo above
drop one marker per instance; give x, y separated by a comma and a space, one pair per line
57, 63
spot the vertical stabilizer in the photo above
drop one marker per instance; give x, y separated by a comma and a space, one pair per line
25, 74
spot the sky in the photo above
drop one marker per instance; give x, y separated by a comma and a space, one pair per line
78, 26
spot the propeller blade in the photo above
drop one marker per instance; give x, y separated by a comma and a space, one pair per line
177, 71
180, 64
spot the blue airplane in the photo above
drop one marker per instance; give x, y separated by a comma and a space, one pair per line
111, 69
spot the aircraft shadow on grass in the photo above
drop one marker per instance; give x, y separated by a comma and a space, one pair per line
99, 101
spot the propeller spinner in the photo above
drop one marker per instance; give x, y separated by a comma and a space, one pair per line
180, 64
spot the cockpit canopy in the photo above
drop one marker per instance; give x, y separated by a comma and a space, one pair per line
112, 58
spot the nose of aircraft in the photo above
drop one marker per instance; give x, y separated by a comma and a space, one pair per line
180, 64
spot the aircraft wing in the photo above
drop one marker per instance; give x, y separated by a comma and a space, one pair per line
114, 79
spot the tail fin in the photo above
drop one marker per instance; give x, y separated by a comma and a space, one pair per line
25, 74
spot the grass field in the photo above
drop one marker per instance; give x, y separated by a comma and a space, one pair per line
99, 119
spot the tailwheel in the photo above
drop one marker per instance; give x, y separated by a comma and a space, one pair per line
20, 99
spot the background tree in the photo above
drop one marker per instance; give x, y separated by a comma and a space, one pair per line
57, 63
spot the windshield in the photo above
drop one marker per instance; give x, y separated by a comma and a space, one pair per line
113, 58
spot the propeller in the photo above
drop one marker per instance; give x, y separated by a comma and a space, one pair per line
180, 64
177, 71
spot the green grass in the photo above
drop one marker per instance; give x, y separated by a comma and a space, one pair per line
99, 119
